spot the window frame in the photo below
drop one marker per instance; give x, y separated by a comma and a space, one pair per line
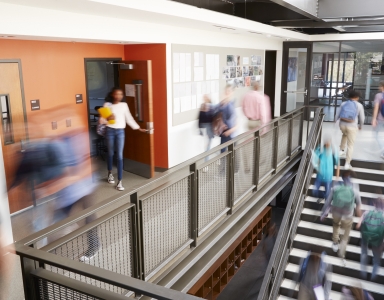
8, 102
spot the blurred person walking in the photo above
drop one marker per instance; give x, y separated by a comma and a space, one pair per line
115, 133
372, 234
378, 117
256, 107
355, 293
341, 201
349, 114
313, 278
205, 121
324, 161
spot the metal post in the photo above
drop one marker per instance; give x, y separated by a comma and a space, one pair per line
139, 236
231, 176
276, 145
27, 266
290, 135
257, 160
134, 242
194, 203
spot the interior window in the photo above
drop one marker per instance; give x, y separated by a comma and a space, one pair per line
6, 120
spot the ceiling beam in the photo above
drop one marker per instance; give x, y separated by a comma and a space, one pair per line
296, 9
311, 24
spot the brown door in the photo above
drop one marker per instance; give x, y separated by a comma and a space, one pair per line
135, 79
13, 132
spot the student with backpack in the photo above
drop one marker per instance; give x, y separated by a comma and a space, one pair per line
324, 161
372, 234
205, 121
313, 278
350, 112
341, 201
378, 116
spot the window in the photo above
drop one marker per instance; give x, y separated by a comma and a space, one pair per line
6, 120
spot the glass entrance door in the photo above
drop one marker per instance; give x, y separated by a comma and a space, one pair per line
295, 76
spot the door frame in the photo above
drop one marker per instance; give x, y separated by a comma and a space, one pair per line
22, 92
87, 59
284, 78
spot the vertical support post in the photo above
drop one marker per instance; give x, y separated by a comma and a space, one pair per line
194, 203
134, 242
231, 176
256, 165
290, 135
27, 266
139, 236
275, 145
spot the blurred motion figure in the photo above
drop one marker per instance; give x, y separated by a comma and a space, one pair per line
205, 121
378, 117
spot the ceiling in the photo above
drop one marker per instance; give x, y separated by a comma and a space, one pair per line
283, 13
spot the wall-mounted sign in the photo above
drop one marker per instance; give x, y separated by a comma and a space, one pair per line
79, 98
35, 104
130, 90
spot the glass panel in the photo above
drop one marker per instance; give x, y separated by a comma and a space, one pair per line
325, 83
366, 59
6, 119
297, 63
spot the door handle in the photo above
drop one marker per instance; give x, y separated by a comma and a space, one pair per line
150, 128
297, 92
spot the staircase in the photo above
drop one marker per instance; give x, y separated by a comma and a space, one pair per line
311, 233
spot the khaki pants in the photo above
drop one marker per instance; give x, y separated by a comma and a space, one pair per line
348, 139
345, 224
253, 124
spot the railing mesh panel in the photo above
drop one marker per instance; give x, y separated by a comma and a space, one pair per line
296, 132
107, 246
213, 191
266, 154
283, 142
244, 168
53, 291
166, 223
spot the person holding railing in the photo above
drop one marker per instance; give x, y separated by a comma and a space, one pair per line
378, 117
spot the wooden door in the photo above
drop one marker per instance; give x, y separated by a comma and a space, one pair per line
13, 132
135, 79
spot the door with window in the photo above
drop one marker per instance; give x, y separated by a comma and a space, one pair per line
13, 132
136, 81
296, 72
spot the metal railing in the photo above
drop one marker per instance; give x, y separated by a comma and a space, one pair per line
284, 242
135, 236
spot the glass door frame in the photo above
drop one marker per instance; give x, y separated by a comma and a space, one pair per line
284, 80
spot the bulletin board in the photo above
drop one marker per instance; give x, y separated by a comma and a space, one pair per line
204, 70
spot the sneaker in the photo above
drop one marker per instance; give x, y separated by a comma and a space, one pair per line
119, 186
111, 179
335, 247
344, 262
341, 153
347, 166
87, 256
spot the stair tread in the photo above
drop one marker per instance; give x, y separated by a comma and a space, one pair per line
335, 261
328, 244
369, 171
289, 284
345, 280
325, 228
358, 181
362, 194
317, 213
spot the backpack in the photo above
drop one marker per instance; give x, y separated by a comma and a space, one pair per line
320, 273
372, 229
382, 105
343, 197
218, 125
349, 111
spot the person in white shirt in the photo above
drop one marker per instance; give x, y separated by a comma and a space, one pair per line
115, 133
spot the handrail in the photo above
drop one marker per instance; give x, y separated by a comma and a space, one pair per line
276, 267
76, 217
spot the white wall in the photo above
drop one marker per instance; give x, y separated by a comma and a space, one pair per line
6, 235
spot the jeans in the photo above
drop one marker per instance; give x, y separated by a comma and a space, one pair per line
115, 137
377, 253
327, 185
379, 128
223, 140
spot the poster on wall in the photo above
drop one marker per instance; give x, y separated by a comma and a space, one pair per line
239, 72
231, 61
232, 72
247, 81
237, 59
245, 60
292, 69
226, 73
255, 60
246, 71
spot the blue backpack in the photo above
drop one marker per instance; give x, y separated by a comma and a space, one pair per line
349, 112
382, 105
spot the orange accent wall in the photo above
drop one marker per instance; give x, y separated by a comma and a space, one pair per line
53, 72
157, 54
